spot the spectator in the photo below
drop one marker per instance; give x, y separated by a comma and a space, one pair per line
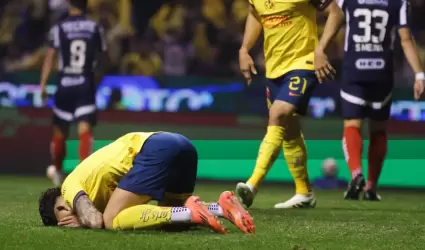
141, 60
178, 53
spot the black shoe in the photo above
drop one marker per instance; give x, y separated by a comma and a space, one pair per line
371, 195
355, 188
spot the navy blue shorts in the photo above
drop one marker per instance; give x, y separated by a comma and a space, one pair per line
75, 104
294, 87
167, 163
360, 100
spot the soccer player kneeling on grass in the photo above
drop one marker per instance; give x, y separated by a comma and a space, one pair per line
111, 188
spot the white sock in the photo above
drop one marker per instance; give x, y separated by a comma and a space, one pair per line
180, 214
215, 209
251, 187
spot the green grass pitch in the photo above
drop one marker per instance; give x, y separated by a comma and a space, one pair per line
398, 222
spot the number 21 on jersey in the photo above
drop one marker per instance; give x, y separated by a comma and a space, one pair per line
78, 53
372, 20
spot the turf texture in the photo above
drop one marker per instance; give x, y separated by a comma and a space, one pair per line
398, 222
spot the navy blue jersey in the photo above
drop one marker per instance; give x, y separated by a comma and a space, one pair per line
369, 38
78, 41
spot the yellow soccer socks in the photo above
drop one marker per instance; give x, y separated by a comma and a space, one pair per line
295, 153
149, 216
269, 150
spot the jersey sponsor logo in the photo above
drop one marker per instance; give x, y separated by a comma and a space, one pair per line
276, 21
370, 63
72, 81
373, 2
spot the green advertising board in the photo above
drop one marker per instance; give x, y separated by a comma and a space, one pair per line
235, 159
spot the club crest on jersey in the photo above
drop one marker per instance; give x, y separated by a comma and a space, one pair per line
269, 4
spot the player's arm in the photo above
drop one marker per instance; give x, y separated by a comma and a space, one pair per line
253, 29
333, 24
48, 60
87, 214
410, 51
103, 57
75, 196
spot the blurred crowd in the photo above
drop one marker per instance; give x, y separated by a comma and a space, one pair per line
195, 37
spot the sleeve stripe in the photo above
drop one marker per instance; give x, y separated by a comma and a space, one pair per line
79, 194
56, 40
403, 13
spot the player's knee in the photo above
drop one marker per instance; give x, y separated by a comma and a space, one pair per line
108, 221
83, 127
60, 132
377, 126
353, 123
292, 127
279, 112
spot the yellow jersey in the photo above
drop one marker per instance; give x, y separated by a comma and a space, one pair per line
290, 35
99, 174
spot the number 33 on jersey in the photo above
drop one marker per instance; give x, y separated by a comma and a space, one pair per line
368, 39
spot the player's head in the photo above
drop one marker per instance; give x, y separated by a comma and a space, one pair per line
80, 5
52, 207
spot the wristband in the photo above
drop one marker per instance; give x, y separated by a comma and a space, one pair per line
420, 76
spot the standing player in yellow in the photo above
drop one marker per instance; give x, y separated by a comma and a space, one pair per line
111, 188
295, 64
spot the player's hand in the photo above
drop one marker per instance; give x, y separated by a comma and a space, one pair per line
70, 221
44, 96
246, 65
324, 70
418, 89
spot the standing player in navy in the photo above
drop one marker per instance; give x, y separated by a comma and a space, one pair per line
78, 42
368, 83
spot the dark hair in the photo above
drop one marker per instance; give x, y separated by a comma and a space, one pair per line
79, 4
47, 206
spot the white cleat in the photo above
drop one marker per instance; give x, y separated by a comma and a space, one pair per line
246, 193
54, 175
299, 201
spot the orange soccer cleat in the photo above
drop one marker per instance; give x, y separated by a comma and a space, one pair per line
235, 213
201, 215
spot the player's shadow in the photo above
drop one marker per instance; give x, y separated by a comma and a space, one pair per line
172, 228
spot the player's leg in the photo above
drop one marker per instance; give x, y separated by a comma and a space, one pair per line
301, 85
85, 114
127, 210
58, 153
62, 118
150, 177
287, 96
378, 140
354, 108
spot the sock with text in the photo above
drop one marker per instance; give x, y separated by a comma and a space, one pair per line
376, 155
295, 153
214, 208
267, 154
150, 216
352, 144
85, 148
58, 151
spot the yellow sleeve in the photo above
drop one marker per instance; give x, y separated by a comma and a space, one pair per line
71, 190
